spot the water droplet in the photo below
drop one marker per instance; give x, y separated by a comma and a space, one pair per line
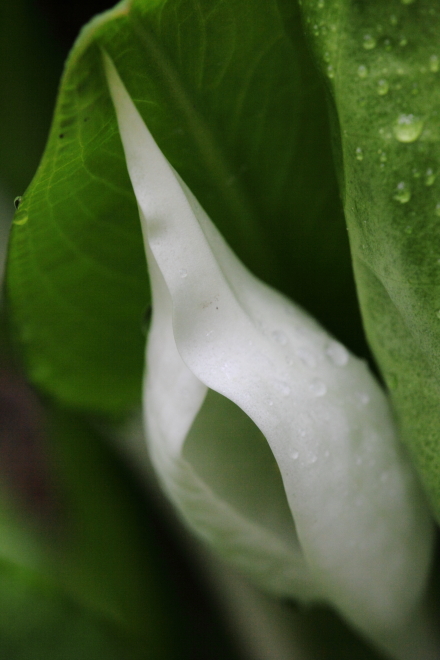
312, 459
17, 201
326, 453
279, 337
318, 387
382, 156
306, 357
393, 19
388, 45
403, 41
369, 42
330, 71
407, 128
382, 87
407, 2
403, 193
294, 454
434, 64
183, 273
408, 230
362, 71
429, 177
283, 388
302, 433
320, 4
337, 353
21, 220
269, 402
437, 209
359, 154
416, 173
327, 56
363, 397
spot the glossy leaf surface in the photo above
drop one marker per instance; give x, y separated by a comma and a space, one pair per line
382, 64
234, 102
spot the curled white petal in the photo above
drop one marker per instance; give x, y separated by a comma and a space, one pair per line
231, 363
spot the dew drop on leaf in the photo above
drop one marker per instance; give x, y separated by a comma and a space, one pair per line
369, 42
437, 209
359, 154
429, 177
433, 63
407, 2
403, 193
382, 87
362, 71
407, 128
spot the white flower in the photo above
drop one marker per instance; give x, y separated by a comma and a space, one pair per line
276, 445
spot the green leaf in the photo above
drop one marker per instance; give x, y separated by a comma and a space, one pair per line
232, 98
383, 62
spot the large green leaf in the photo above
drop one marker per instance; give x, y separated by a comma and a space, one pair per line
232, 98
383, 64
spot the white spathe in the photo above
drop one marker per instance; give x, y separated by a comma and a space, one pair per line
233, 369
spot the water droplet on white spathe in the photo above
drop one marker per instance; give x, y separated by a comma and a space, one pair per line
317, 387
294, 454
283, 388
183, 273
337, 353
280, 337
306, 357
